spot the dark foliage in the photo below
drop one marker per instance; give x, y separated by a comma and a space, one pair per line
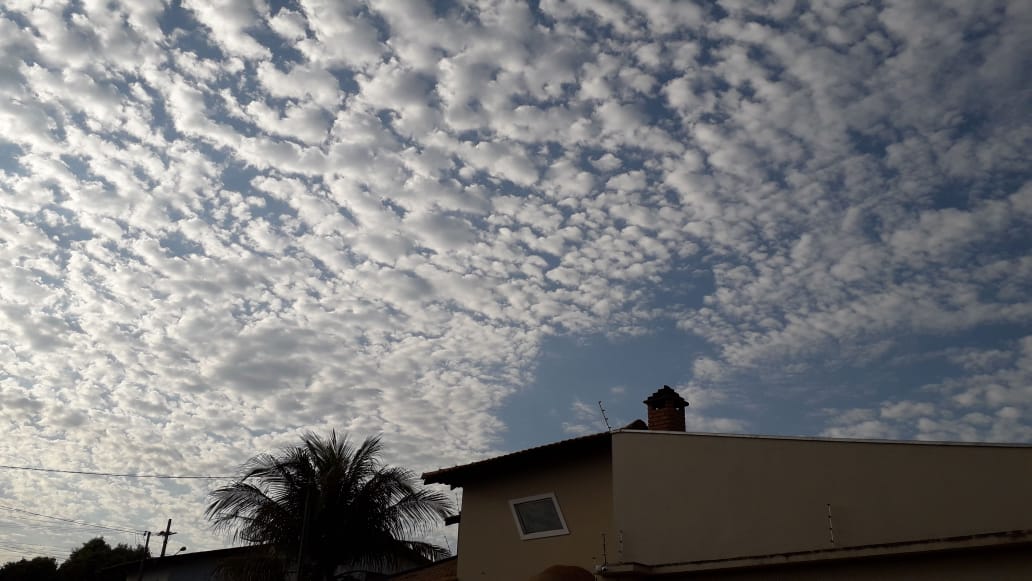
95, 560
38, 569
263, 565
355, 511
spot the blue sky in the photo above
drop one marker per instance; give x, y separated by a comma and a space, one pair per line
464, 224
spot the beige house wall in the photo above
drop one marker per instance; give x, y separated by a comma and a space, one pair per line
490, 547
687, 497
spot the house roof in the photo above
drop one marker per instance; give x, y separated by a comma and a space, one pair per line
443, 570
457, 476
1020, 539
175, 560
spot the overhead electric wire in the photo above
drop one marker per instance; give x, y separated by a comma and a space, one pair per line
72, 521
6, 522
114, 474
25, 553
54, 526
21, 544
41, 526
42, 522
31, 553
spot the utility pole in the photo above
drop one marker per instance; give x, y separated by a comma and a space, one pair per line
166, 533
143, 559
301, 544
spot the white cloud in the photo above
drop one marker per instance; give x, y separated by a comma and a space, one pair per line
228, 21
974, 406
343, 35
289, 24
376, 229
301, 82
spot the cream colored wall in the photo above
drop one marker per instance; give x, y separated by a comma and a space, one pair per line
681, 497
490, 548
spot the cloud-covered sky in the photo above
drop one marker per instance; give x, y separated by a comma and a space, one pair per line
463, 224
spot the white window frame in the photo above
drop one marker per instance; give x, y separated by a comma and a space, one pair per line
543, 534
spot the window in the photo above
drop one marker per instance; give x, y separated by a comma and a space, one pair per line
538, 516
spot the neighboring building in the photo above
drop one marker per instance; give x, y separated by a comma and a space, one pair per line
640, 504
252, 562
443, 570
199, 566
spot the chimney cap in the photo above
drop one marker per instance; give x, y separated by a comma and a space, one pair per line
664, 397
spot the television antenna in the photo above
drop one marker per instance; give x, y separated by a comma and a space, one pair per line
604, 418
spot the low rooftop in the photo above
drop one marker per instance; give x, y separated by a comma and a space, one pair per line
456, 476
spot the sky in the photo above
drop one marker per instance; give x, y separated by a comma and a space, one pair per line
462, 225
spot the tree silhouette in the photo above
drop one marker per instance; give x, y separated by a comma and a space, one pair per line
332, 503
38, 569
95, 560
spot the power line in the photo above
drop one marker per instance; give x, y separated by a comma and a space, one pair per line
8, 521
24, 554
37, 522
72, 521
40, 526
11, 549
20, 544
115, 474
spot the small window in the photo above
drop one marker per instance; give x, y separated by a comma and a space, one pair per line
538, 516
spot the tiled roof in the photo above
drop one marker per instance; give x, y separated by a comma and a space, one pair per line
444, 570
457, 475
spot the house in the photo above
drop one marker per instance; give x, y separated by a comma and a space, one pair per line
443, 570
198, 566
652, 501
257, 562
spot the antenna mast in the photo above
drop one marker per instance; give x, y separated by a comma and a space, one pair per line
604, 418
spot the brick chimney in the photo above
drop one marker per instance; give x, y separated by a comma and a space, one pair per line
666, 410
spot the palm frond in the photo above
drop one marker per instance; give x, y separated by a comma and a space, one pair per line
360, 511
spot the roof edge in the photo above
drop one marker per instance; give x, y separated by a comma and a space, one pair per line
964, 542
830, 439
455, 475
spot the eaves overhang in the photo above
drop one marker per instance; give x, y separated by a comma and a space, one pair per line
570, 449
457, 476
1015, 538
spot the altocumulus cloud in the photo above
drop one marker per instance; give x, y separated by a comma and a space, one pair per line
224, 222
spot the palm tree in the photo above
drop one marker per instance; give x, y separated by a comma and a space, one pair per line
330, 504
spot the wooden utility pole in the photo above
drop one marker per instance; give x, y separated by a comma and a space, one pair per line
166, 533
301, 544
143, 559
